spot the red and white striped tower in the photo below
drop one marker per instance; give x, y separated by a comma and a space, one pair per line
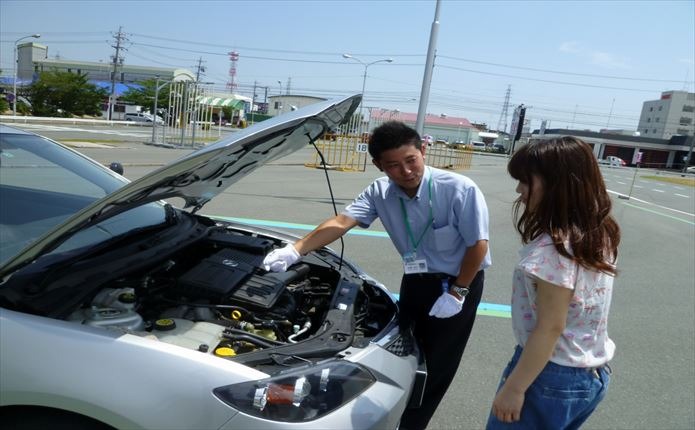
233, 57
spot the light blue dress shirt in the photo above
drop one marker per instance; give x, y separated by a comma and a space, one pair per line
459, 211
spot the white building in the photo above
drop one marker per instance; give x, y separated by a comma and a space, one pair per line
673, 114
288, 102
32, 59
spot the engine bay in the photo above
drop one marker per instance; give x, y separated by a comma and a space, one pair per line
215, 297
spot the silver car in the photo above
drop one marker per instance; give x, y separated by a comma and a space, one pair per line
118, 310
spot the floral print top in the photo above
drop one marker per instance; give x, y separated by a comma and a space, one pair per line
585, 341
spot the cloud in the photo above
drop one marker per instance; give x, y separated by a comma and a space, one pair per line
602, 59
571, 47
608, 61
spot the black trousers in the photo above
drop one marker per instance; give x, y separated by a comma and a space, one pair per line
442, 339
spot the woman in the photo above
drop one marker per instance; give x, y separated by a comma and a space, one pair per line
561, 289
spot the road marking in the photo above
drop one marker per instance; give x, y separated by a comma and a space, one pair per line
659, 213
650, 203
621, 183
658, 191
638, 186
487, 309
681, 195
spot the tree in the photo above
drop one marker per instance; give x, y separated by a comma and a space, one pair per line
144, 96
58, 93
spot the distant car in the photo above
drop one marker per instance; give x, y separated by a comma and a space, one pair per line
120, 311
478, 145
690, 169
613, 161
142, 117
441, 141
499, 148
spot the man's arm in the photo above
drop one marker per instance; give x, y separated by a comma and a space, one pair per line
470, 265
327, 232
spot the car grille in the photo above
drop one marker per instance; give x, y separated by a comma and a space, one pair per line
402, 345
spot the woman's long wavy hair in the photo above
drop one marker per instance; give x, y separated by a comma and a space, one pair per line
574, 208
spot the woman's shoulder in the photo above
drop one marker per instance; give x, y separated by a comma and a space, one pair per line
541, 259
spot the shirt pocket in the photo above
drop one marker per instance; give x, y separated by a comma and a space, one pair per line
446, 238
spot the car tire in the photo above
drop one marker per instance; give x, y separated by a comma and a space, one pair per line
37, 417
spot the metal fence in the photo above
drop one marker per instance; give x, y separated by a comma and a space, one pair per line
350, 153
341, 152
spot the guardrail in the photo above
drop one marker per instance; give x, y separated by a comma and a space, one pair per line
74, 121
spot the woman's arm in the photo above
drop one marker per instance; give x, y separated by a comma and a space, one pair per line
552, 304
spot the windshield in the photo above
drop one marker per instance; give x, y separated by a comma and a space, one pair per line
42, 184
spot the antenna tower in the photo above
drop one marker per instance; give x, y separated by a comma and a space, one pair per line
502, 123
233, 57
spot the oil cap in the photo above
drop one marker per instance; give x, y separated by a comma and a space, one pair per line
225, 351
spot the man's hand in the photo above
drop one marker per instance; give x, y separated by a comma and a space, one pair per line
446, 306
280, 259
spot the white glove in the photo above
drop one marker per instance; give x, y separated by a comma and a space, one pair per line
446, 306
280, 259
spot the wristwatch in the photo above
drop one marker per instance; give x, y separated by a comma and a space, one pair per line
460, 290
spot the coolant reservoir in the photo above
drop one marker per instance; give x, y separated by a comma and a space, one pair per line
188, 334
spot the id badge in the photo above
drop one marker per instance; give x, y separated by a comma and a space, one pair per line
415, 266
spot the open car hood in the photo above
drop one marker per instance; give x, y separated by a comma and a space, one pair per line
203, 174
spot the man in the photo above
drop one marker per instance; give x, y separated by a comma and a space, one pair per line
438, 222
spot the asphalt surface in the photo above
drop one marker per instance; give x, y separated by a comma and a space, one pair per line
652, 318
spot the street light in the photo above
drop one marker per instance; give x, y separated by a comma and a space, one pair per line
364, 77
157, 87
14, 81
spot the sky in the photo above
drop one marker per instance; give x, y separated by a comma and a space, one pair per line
576, 64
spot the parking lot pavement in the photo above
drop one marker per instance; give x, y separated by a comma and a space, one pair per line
652, 319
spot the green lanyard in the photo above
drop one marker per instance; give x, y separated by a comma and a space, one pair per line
407, 222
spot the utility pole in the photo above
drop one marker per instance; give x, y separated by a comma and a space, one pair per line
427, 77
287, 87
116, 61
199, 69
253, 101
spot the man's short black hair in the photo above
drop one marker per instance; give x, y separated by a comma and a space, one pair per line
392, 135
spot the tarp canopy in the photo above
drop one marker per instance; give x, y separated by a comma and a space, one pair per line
230, 102
119, 88
490, 135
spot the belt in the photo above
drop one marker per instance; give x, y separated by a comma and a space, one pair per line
434, 275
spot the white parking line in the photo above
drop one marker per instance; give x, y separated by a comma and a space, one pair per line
638, 186
658, 191
681, 195
621, 183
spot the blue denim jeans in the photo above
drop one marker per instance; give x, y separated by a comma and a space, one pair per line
561, 397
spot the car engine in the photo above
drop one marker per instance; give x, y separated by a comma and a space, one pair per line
214, 297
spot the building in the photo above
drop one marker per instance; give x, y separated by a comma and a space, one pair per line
656, 152
288, 102
440, 127
32, 59
673, 114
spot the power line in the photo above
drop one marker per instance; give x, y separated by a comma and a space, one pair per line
588, 75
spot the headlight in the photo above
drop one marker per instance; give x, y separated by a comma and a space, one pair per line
299, 395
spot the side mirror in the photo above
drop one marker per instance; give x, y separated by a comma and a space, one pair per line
116, 167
